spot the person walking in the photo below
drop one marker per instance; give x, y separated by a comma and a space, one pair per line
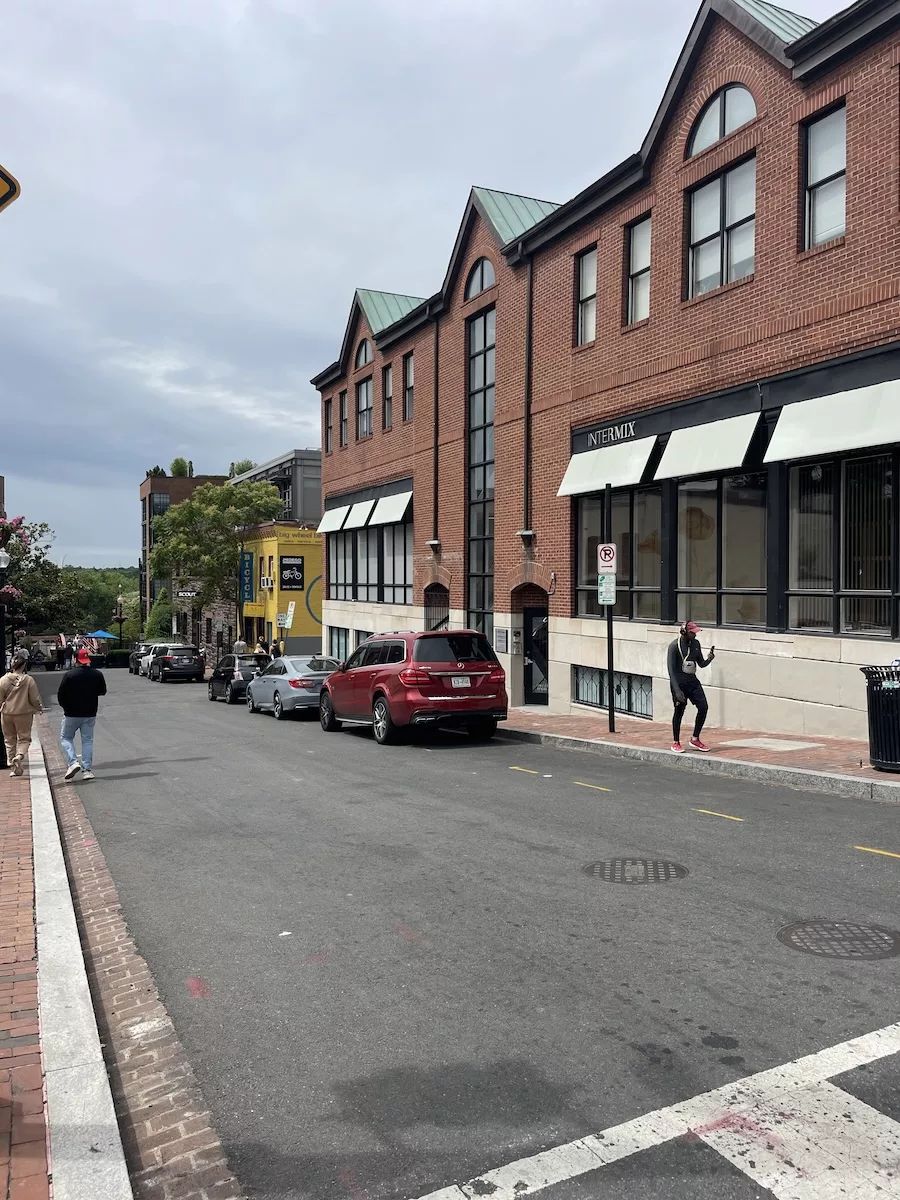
60, 652
240, 646
20, 700
78, 696
683, 658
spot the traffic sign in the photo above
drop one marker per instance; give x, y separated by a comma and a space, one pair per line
281, 620
606, 589
9, 188
606, 558
290, 614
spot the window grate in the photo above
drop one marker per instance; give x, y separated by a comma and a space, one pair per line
632, 694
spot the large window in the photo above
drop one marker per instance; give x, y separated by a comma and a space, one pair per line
482, 350
586, 291
329, 427
723, 229
637, 526
338, 643
722, 550
340, 565
387, 397
343, 431
364, 353
825, 171
480, 277
159, 503
730, 108
841, 546
638, 300
374, 564
409, 386
367, 563
364, 406
398, 564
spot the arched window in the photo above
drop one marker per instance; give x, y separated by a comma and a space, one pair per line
364, 353
729, 108
480, 277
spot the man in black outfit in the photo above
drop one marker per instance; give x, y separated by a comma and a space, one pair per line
79, 692
683, 659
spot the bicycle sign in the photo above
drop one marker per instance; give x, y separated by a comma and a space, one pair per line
606, 558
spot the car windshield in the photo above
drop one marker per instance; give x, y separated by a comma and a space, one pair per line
459, 647
183, 650
251, 660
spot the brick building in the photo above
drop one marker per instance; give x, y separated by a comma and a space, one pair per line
712, 330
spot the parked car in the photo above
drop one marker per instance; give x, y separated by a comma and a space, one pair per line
290, 684
144, 661
134, 658
418, 679
232, 674
177, 662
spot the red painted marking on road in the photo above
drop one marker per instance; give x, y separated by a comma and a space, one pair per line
408, 934
734, 1121
315, 958
348, 1181
197, 987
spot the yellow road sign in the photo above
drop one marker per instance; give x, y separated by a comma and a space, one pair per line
9, 188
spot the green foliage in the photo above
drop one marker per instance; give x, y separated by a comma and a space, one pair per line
156, 473
159, 619
99, 589
179, 467
241, 467
50, 597
117, 658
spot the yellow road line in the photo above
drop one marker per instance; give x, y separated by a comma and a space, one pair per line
709, 813
869, 850
525, 770
578, 783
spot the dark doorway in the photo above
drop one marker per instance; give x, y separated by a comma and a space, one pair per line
535, 622
437, 607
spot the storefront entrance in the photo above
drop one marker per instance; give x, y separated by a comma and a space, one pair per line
535, 625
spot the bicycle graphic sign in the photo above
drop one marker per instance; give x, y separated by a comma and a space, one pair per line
291, 572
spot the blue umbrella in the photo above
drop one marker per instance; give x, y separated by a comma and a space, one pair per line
101, 633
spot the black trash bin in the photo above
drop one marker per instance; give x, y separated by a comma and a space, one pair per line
883, 701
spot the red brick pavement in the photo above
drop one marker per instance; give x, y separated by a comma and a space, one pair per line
842, 756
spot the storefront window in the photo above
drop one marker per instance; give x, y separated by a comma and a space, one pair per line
373, 564
637, 524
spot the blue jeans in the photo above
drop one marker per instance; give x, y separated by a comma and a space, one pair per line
70, 727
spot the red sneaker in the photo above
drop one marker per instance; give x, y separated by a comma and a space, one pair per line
696, 744
677, 748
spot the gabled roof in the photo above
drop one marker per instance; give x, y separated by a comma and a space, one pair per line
382, 309
511, 215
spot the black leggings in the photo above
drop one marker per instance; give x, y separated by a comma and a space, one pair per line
697, 696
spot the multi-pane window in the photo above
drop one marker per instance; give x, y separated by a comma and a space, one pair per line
841, 546
364, 406
722, 550
329, 427
723, 229
637, 532
409, 384
387, 397
638, 302
480, 277
730, 108
343, 431
586, 286
341, 549
364, 353
338, 643
482, 351
825, 171
373, 564
631, 693
398, 564
159, 503
367, 563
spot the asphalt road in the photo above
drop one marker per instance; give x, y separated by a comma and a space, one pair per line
412, 980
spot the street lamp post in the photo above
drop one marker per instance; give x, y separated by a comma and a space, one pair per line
119, 616
4, 563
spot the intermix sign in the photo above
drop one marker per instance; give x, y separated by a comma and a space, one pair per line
247, 576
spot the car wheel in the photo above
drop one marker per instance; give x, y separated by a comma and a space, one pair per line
382, 723
251, 706
278, 709
482, 731
209, 691
327, 719
230, 697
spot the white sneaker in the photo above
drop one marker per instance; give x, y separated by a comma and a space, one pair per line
72, 770
17, 768
87, 774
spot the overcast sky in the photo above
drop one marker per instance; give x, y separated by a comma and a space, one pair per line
205, 182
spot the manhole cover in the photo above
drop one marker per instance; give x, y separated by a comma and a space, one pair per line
841, 939
635, 870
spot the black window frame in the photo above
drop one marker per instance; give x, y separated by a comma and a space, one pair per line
806, 242
364, 353
387, 396
582, 301
393, 573
720, 98
344, 420
632, 692
335, 633
631, 276
328, 423
409, 385
480, 465
365, 408
723, 232
627, 591
475, 283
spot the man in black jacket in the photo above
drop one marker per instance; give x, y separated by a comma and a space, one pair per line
683, 659
78, 694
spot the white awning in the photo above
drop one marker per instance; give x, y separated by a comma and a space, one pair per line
359, 514
333, 519
867, 416
715, 446
390, 510
619, 465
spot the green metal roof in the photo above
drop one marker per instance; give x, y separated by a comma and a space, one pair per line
384, 308
512, 215
786, 25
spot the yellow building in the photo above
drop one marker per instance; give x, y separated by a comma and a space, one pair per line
281, 579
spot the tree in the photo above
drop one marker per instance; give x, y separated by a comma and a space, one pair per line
159, 619
179, 467
155, 473
241, 467
201, 539
41, 596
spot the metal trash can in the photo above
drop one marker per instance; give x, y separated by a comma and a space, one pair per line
883, 703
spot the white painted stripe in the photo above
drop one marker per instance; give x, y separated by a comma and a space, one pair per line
775, 1087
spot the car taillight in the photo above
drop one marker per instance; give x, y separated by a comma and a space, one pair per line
498, 675
167, 658
413, 677
307, 684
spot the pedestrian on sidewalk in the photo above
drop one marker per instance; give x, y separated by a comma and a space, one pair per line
683, 659
78, 696
240, 646
19, 701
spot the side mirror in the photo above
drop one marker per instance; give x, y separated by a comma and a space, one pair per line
342, 667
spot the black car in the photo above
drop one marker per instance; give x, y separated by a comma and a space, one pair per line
134, 658
232, 674
177, 662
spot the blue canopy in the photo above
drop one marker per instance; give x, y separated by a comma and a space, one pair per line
101, 633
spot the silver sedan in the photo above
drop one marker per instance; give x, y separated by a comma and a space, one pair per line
290, 684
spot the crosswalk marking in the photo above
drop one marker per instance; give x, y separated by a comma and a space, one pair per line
734, 1120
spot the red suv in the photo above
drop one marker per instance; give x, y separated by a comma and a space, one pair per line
419, 679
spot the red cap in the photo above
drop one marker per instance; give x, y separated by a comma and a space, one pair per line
84, 657
691, 627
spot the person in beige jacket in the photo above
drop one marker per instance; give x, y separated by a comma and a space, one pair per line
19, 701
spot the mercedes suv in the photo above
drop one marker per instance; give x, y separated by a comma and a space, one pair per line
398, 680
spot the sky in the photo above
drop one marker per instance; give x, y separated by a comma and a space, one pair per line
206, 182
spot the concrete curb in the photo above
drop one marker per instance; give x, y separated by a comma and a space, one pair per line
87, 1160
736, 768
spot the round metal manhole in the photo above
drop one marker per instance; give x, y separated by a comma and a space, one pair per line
635, 870
841, 939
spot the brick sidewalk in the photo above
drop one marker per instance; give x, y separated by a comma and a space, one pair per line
842, 756
23, 1123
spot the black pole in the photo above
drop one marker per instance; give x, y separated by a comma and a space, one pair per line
3, 763
610, 671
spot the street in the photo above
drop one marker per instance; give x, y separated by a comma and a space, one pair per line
392, 972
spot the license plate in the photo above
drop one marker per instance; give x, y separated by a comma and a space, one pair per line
460, 681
